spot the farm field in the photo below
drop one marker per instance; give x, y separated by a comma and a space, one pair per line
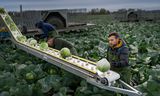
22, 74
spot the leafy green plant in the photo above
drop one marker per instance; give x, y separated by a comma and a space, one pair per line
2, 11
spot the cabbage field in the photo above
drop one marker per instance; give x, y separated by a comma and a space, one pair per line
22, 74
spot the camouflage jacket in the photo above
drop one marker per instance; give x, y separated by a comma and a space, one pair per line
61, 43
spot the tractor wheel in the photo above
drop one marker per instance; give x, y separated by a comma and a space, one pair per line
57, 22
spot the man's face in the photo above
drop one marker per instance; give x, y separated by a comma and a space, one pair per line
50, 42
113, 41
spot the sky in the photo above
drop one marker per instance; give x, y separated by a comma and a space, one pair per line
112, 5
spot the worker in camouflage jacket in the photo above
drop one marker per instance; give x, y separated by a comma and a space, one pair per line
59, 43
117, 55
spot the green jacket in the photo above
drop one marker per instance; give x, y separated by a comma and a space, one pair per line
61, 43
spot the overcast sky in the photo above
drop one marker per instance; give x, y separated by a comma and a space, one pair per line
13, 5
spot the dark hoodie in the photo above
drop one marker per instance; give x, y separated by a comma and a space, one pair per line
118, 56
45, 27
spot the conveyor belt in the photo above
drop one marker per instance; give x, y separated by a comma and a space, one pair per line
74, 64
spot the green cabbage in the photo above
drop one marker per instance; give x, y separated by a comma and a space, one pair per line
32, 41
8, 21
43, 46
65, 52
21, 38
30, 76
103, 65
29, 39
13, 27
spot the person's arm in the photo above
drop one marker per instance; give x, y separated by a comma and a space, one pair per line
49, 26
73, 51
123, 56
